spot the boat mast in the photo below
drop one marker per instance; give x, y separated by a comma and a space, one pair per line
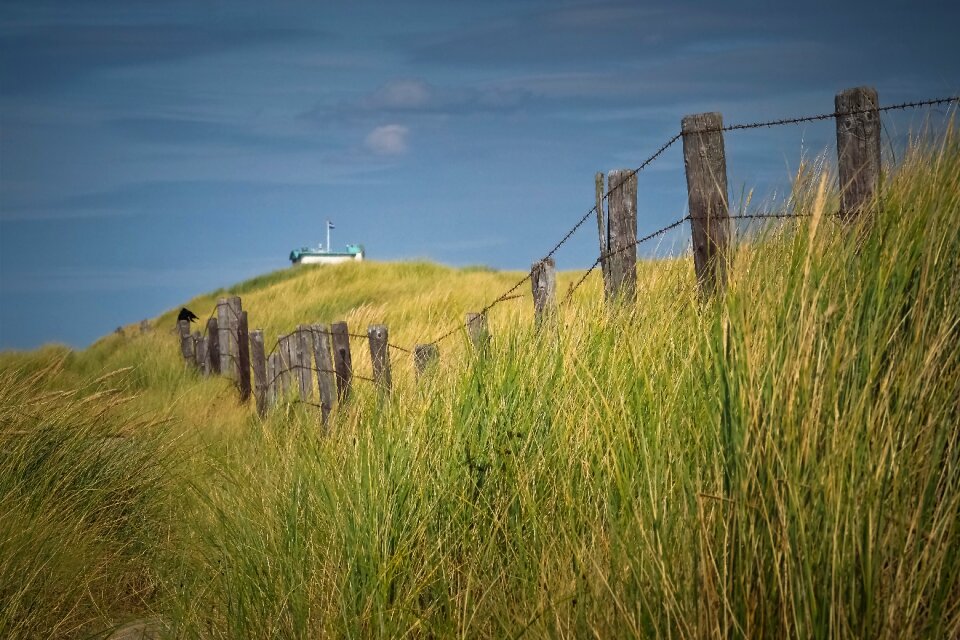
328, 236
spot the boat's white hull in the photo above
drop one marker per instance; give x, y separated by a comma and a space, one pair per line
328, 259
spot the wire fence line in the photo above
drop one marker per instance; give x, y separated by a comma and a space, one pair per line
663, 148
605, 254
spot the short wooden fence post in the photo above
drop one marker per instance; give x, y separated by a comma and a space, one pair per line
213, 345
187, 346
622, 244
378, 337
258, 360
304, 349
424, 356
706, 168
543, 281
243, 358
144, 326
342, 361
273, 381
203, 355
286, 365
325, 369
858, 149
478, 330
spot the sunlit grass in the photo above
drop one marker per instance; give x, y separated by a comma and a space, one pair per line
781, 462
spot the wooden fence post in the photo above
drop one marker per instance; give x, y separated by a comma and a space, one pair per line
378, 337
187, 346
228, 316
303, 345
196, 350
342, 361
424, 356
622, 244
706, 167
543, 281
203, 355
213, 345
243, 358
603, 230
258, 360
325, 382
478, 330
273, 382
285, 363
858, 149
144, 326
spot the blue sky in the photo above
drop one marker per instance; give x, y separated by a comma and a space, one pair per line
151, 151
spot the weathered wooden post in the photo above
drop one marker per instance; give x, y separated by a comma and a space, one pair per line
858, 149
144, 326
228, 318
273, 382
622, 244
196, 350
286, 365
303, 344
203, 355
424, 356
706, 168
342, 361
543, 281
258, 360
478, 331
325, 369
213, 345
187, 346
243, 358
377, 335
602, 229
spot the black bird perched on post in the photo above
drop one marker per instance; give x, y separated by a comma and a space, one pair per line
186, 314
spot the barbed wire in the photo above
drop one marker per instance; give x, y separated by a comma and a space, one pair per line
508, 294
834, 114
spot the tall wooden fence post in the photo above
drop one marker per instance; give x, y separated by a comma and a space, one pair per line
478, 331
603, 230
424, 356
706, 166
243, 358
378, 337
258, 360
228, 318
325, 369
187, 345
858, 149
304, 349
342, 361
213, 345
543, 281
622, 245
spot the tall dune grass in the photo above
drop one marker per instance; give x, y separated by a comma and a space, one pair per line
780, 462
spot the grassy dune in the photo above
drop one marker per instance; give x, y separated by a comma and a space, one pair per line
782, 462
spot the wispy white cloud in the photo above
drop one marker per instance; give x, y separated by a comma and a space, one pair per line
388, 140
